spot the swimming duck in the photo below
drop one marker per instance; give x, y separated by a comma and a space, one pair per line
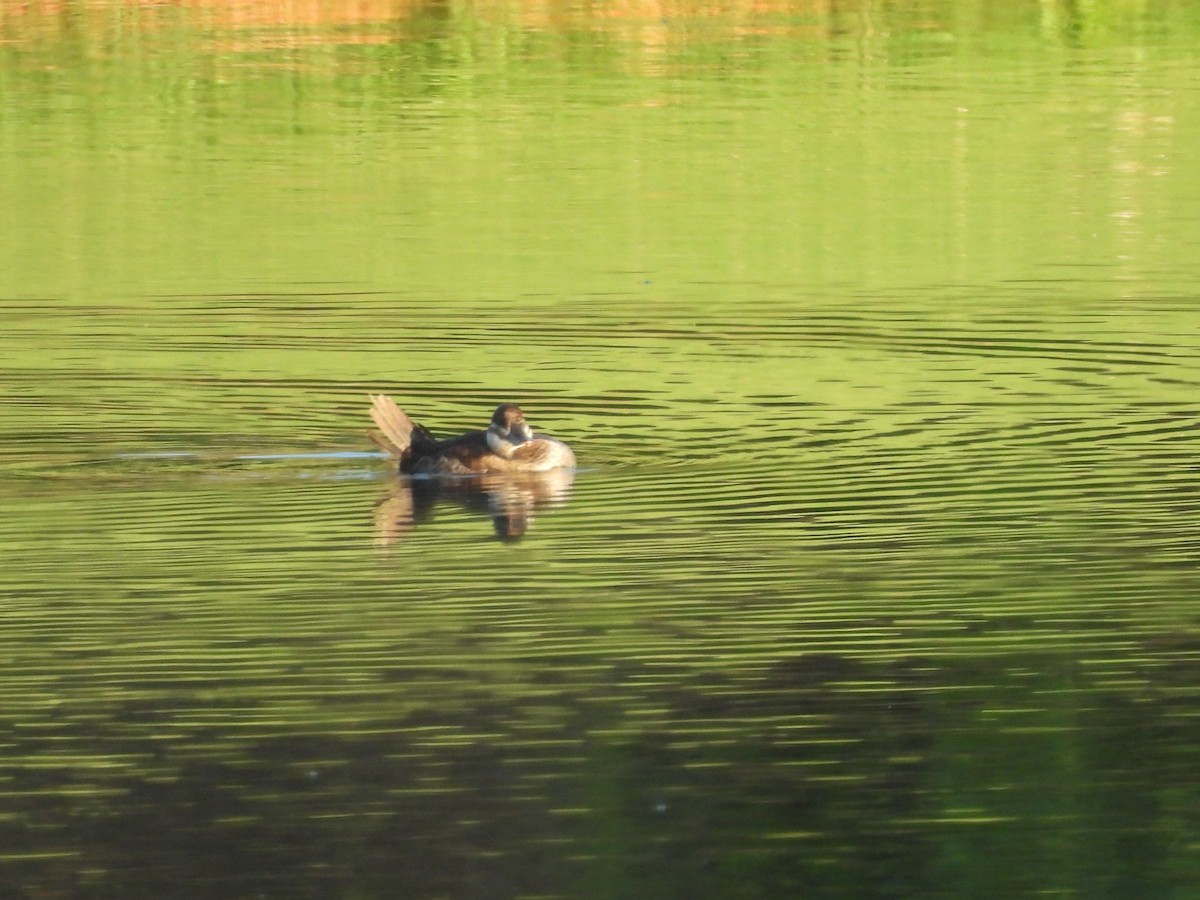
508, 444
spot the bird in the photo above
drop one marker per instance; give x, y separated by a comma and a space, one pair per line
507, 445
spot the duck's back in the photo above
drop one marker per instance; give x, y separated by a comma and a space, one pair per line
469, 454
502, 448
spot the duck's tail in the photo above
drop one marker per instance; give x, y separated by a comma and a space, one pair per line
396, 429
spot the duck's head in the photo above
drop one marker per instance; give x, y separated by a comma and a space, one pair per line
508, 422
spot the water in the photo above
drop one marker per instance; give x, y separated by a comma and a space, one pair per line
875, 333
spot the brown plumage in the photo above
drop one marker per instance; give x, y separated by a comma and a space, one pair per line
507, 445
395, 427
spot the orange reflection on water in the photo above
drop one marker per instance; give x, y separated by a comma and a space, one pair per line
45, 19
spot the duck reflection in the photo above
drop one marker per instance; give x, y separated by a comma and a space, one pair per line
509, 499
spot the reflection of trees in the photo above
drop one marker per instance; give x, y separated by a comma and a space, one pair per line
808, 776
642, 29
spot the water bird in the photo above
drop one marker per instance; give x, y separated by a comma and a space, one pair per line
508, 444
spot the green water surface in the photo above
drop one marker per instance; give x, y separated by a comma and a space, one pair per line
875, 328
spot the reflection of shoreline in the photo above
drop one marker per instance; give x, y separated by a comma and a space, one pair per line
641, 30
67, 15
220, 27
510, 501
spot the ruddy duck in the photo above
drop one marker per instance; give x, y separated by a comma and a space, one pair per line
507, 445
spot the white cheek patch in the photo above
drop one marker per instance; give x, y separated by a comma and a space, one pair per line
499, 445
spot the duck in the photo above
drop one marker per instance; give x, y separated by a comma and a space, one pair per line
508, 444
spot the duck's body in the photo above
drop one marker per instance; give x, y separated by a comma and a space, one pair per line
507, 445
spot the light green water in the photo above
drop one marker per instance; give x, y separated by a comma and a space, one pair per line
875, 331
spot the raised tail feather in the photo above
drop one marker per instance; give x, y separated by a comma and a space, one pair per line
395, 427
